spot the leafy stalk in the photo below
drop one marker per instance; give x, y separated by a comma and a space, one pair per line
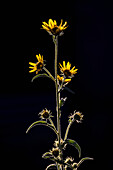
57, 98
67, 130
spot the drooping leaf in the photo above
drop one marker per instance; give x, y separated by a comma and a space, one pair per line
40, 75
83, 159
40, 122
51, 165
69, 90
75, 144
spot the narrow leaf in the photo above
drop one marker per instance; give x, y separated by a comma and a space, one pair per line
40, 122
83, 159
40, 75
51, 165
69, 90
75, 144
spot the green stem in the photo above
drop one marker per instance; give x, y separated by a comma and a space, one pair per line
57, 95
57, 98
47, 71
67, 130
53, 124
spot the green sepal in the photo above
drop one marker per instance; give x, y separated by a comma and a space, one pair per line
40, 122
51, 165
75, 144
41, 75
83, 159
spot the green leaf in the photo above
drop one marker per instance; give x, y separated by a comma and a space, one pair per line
40, 75
69, 90
83, 159
51, 165
40, 122
75, 144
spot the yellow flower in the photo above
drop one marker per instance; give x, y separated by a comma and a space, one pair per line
61, 79
55, 152
38, 65
65, 69
76, 116
53, 29
45, 114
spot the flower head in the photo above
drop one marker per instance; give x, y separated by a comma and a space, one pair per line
76, 116
38, 65
55, 152
66, 69
45, 114
62, 79
53, 29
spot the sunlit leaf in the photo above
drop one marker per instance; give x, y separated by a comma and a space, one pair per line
75, 144
69, 90
40, 75
40, 122
51, 165
84, 159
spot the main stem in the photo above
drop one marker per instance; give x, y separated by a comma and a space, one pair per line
57, 96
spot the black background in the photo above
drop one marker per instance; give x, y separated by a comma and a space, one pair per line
87, 44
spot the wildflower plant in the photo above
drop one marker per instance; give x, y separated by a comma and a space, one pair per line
61, 81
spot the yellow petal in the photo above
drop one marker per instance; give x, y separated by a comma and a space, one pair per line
33, 64
64, 64
67, 80
68, 65
45, 24
73, 68
55, 23
32, 70
64, 24
60, 65
37, 57
51, 23
44, 27
61, 23
31, 67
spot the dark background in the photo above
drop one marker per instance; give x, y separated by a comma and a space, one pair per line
87, 44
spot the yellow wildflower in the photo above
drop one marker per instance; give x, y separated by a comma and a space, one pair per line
38, 65
53, 29
65, 69
61, 79
45, 114
76, 116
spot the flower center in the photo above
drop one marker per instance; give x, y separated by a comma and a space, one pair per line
77, 117
39, 65
45, 115
55, 152
55, 30
67, 73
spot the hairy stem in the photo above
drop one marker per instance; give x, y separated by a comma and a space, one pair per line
47, 71
57, 98
67, 130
